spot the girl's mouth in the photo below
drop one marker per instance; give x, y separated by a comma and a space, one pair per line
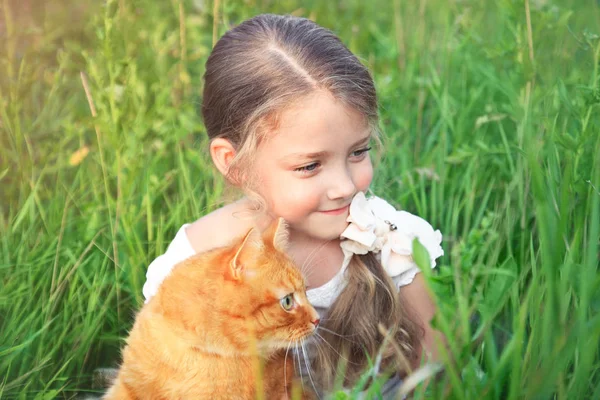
336, 211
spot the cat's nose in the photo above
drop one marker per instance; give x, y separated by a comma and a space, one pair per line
316, 322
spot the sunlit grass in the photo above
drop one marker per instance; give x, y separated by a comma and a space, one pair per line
491, 112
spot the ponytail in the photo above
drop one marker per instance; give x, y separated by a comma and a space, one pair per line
353, 324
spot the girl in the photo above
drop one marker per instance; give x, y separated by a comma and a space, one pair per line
290, 113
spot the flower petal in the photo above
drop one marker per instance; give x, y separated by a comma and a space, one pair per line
376, 226
382, 209
400, 243
353, 232
360, 212
354, 247
399, 263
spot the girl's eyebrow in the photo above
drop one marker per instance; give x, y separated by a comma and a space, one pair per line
318, 154
321, 154
363, 140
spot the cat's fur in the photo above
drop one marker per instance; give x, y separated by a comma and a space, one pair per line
214, 320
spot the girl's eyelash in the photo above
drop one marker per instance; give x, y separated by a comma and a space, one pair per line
308, 168
361, 151
312, 167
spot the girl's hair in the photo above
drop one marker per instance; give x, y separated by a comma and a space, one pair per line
367, 324
264, 65
257, 70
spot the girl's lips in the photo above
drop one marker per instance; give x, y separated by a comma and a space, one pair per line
337, 211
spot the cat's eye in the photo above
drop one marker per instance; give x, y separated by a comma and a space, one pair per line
287, 303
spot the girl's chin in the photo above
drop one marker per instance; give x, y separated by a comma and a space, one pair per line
330, 231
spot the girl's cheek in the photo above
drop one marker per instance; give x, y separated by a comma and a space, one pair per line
365, 176
296, 200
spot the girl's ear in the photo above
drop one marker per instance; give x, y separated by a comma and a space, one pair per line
222, 153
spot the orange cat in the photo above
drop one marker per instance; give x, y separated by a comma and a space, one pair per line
215, 319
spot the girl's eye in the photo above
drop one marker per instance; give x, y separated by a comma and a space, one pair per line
287, 303
360, 152
308, 168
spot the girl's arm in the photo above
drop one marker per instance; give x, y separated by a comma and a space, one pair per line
418, 299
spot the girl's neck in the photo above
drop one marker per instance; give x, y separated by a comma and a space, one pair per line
318, 259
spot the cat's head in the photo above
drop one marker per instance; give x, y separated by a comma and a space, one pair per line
244, 295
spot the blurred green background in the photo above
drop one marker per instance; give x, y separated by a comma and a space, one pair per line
491, 112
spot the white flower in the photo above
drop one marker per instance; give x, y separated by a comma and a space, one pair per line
376, 226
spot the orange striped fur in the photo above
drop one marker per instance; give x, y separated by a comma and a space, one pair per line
214, 320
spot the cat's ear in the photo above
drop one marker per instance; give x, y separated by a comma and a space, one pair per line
277, 234
252, 240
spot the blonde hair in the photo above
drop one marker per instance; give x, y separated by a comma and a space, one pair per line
255, 71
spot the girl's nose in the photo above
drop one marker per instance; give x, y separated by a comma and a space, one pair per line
342, 186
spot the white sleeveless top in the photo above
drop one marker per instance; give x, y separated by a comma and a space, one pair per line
374, 226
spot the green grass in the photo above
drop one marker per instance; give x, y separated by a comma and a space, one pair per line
491, 112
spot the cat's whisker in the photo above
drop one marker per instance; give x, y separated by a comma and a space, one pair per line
291, 338
333, 348
308, 369
297, 355
314, 262
306, 271
324, 320
313, 253
345, 337
285, 364
308, 259
310, 339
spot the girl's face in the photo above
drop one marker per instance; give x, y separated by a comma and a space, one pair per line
311, 167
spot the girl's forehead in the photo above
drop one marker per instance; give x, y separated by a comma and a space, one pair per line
317, 120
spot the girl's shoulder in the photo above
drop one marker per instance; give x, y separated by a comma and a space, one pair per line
216, 229
219, 227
